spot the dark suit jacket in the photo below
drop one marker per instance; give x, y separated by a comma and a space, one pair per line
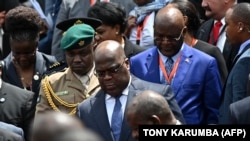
16, 106
93, 114
229, 51
240, 112
236, 85
6, 135
43, 62
214, 52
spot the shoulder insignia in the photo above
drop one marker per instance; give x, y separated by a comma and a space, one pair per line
56, 67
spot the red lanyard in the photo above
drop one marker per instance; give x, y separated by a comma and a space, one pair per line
92, 2
169, 77
139, 30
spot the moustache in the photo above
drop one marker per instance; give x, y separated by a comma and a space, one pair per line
207, 8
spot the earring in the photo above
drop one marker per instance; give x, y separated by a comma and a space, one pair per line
241, 29
117, 33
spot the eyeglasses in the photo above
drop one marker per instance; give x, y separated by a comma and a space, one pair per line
110, 71
167, 39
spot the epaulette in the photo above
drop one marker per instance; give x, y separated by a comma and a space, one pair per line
56, 67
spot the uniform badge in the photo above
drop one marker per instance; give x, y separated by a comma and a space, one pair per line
81, 43
78, 22
62, 93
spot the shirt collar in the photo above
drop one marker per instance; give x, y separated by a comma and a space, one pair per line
243, 46
85, 78
164, 58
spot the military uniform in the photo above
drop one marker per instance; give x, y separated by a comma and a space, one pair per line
68, 88
62, 91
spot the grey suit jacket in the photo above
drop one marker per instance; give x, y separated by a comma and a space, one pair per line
16, 107
73, 9
93, 112
240, 112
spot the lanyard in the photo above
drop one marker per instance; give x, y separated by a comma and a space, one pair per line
162, 66
140, 28
92, 2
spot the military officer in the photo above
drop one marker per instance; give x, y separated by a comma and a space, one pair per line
63, 90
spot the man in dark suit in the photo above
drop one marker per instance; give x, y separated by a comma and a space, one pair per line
112, 70
237, 31
16, 106
216, 10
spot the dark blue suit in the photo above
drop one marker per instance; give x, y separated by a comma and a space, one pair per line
93, 113
196, 84
236, 84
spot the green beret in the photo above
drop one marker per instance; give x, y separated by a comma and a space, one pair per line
77, 36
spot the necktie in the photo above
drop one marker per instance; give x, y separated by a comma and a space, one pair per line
215, 33
116, 121
169, 65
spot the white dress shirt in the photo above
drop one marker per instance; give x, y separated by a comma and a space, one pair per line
110, 102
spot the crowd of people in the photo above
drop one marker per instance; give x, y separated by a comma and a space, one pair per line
96, 70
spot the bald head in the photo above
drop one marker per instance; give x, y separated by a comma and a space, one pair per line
169, 16
50, 124
149, 103
109, 48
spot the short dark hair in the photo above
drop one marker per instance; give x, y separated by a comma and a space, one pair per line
110, 13
241, 13
188, 9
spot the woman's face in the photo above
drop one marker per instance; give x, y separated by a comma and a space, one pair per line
106, 32
23, 52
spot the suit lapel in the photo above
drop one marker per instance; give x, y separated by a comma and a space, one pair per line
126, 130
101, 117
184, 65
153, 62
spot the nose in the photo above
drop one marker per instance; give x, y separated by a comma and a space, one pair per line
204, 3
97, 37
77, 58
107, 75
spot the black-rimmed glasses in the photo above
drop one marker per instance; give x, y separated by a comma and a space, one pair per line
110, 71
167, 39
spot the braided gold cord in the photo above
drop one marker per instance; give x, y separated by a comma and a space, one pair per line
49, 92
